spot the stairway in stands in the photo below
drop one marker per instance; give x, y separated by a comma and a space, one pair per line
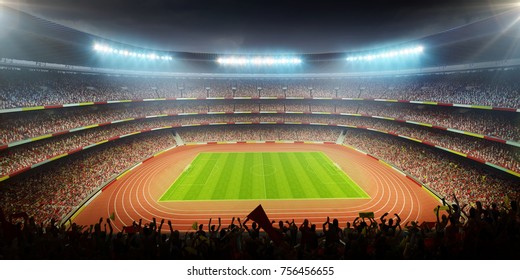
341, 137
178, 138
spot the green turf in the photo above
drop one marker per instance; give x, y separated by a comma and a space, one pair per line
285, 175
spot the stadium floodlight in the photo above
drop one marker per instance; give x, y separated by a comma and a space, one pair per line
102, 48
258, 60
387, 54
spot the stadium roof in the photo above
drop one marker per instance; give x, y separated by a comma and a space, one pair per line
491, 34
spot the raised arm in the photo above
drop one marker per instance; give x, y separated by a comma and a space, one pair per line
355, 222
382, 219
96, 228
245, 223
160, 226
373, 224
301, 226
110, 227
154, 228
398, 222
170, 226
326, 223
456, 200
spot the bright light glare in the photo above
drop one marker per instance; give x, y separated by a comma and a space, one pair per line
388, 54
122, 52
259, 60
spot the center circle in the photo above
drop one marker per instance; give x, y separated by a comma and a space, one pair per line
268, 169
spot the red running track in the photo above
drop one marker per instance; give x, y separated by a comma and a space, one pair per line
136, 195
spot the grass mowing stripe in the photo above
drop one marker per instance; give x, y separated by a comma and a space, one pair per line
333, 176
329, 187
199, 177
259, 175
279, 180
281, 164
330, 174
246, 182
255, 175
223, 180
310, 171
299, 179
211, 188
293, 181
271, 181
235, 180
271, 171
352, 190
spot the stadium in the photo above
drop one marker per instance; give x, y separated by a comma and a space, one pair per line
132, 141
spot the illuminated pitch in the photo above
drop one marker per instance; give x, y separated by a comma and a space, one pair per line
262, 175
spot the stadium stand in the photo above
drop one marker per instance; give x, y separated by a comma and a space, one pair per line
23, 156
445, 174
54, 191
34, 88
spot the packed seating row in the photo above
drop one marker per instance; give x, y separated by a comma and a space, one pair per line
446, 174
24, 125
55, 190
23, 156
28, 87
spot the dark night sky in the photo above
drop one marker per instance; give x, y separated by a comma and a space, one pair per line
236, 26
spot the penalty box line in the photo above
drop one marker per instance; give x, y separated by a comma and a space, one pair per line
190, 168
187, 174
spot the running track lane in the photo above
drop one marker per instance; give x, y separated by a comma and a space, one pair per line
136, 195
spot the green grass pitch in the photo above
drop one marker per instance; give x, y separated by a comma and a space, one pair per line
259, 175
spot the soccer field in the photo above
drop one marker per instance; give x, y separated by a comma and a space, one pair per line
261, 175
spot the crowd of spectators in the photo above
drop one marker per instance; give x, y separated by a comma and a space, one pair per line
20, 126
444, 173
461, 231
54, 191
497, 124
259, 133
22, 156
26, 88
